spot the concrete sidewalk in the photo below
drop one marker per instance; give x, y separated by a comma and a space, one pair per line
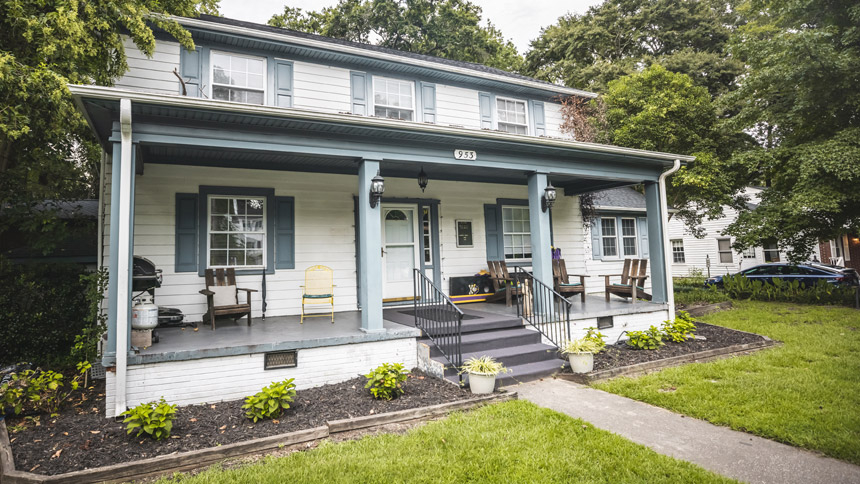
721, 450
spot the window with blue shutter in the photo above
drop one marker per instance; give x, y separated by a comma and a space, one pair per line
428, 102
283, 84
618, 237
190, 67
186, 233
358, 82
485, 102
285, 233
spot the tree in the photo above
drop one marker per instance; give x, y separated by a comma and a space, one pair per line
442, 28
618, 37
46, 149
800, 96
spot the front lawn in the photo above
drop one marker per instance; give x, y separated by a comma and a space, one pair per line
805, 393
509, 442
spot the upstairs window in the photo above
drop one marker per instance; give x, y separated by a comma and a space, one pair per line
511, 114
238, 78
393, 98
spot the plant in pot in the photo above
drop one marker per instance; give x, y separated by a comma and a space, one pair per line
580, 352
482, 373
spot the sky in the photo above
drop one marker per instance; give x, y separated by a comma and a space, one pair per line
518, 20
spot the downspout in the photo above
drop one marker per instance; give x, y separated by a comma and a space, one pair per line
667, 254
124, 256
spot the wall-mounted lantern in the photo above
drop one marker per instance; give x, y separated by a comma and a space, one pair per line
422, 179
549, 196
377, 188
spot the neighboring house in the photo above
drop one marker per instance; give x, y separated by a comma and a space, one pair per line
270, 164
843, 251
80, 247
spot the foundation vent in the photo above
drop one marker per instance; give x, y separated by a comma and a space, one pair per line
281, 359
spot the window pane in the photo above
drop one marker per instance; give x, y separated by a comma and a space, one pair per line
608, 227
218, 241
236, 257
237, 241
609, 248
726, 257
254, 258
628, 227
219, 223
218, 206
254, 241
220, 93
218, 258
629, 246
724, 244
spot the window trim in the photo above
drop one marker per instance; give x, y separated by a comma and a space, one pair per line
502, 208
635, 237
675, 253
496, 113
617, 255
748, 253
212, 82
373, 103
265, 232
720, 252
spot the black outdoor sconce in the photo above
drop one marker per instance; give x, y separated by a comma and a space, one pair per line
548, 199
422, 180
377, 187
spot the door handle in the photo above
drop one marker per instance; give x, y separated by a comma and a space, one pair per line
382, 250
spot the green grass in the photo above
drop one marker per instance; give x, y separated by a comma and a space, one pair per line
805, 393
509, 442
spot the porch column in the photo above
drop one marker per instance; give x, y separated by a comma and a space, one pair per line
540, 231
370, 250
656, 247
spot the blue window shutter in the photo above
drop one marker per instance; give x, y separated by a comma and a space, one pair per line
428, 102
284, 84
539, 118
186, 233
190, 70
358, 85
486, 104
643, 237
285, 233
495, 247
596, 248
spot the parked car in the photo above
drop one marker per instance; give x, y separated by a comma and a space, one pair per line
807, 273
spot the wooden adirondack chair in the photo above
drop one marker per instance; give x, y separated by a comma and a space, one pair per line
222, 296
561, 279
632, 284
503, 284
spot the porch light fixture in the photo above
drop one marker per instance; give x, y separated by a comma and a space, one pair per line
377, 187
422, 179
548, 199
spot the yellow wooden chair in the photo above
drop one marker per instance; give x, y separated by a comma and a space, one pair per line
318, 289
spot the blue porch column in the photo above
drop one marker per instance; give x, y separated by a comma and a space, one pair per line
656, 247
540, 231
370, 250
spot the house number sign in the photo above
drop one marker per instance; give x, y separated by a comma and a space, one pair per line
465, 155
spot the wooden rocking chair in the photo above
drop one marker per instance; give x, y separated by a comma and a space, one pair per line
318, 289
503, 284
632, 281
561, 279
222, 296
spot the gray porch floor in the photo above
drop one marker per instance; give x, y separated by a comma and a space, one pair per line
272, 334
593, 307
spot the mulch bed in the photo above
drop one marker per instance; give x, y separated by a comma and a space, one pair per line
81, 438
619, 355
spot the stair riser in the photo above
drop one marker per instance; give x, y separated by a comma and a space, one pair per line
492, 344
477, 327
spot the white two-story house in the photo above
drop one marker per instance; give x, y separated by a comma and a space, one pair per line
268, 151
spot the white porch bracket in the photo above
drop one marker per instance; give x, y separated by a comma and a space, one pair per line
540, 230
370, 250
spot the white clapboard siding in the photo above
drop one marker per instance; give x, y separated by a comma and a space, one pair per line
554, 121
213, 380
321, 88
457, 106
151, 74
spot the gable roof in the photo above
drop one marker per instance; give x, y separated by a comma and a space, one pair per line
286, 35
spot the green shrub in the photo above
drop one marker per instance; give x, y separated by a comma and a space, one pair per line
42, 308
680, 329
153, 419
699, 294
592, 334
40, 391
645, 340
739, 286
270, 401
386, 380
485, 365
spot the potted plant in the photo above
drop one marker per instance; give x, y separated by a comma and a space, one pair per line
580, 353
482, 373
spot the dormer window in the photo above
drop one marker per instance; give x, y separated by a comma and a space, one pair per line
393, 98
511, 115
238, 78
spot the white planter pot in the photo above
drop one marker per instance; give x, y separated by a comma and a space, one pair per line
581, 362
482, 383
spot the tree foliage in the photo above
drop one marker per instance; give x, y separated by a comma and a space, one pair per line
444, 28
46, 149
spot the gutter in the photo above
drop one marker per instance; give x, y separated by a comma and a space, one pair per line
114, 94
358, 51
667, 250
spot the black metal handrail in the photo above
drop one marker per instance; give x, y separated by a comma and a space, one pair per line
543, 308
439, 318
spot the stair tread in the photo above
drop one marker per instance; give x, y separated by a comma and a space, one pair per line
493, 334
506, 351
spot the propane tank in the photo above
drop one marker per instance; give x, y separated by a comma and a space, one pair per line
144, 314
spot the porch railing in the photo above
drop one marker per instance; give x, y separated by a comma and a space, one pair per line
543, 308
439, 318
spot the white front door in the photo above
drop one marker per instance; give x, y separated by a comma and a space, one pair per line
399, 249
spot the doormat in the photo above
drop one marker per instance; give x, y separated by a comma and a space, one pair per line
440, 316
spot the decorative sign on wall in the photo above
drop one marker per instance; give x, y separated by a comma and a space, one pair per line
464, 233
465, 155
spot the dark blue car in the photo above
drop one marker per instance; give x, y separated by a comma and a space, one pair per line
808, 273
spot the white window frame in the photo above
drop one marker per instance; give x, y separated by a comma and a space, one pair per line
729, 251
678, 244
505, 233
264, 233
373, 103
618, 250
748, 253
212, 82
635, 237
526, 111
